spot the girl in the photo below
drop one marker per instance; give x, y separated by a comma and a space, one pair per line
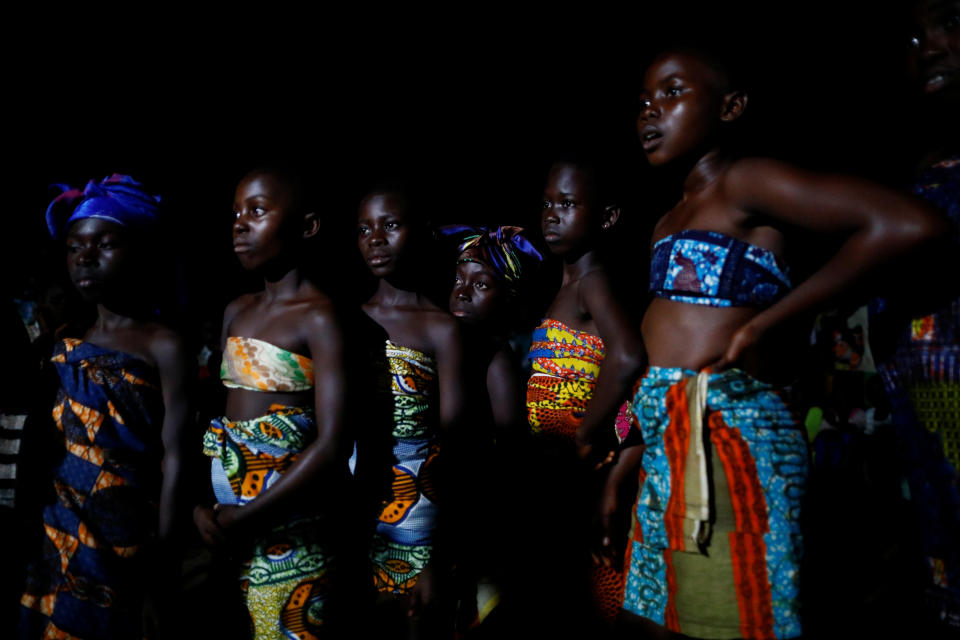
283, 434
585, 353
419, 383
494, 269
123, 411
716, 540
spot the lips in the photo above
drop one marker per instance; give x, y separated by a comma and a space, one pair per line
936, 78
241, 247
378, 259
650, 138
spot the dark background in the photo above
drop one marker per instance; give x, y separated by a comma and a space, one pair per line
469, 106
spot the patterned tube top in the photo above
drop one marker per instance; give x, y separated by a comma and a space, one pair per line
256, 365
717, 270
561, 351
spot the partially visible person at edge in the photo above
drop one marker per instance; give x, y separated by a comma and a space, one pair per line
715, 542
281, 445
917, 341
124, 413
415, 406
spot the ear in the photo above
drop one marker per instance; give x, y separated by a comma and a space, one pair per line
734, 103
311, 224
610, 216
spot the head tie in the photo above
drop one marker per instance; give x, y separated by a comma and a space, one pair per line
503, 249
119, 199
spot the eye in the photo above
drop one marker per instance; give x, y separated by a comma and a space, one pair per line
914, 42
566, 204
645, 103
545, 205
674, 91
391, 225
259, 212
363, 229
481, 285
73, 248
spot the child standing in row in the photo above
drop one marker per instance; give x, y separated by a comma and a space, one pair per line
585, 353
283, 436
715, 543
418, 375
123, 410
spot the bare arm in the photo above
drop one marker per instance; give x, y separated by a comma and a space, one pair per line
505, 386
621, 366
174, 364
325, 455
449, 349
881, 225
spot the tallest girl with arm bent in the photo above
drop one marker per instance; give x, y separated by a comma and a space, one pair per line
715, 542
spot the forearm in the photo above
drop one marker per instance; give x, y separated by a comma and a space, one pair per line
862, 255
316, 464
617, 376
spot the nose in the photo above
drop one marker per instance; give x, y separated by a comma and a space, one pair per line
933, 42
461, 291
549, 215
377, 237
88, 256
240, 224
649, 110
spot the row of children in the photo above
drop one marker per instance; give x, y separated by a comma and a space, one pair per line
679, 421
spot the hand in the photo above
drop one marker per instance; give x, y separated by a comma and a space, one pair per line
226, 516
422, 594
205, 520
588, 452
743, 339
607, 550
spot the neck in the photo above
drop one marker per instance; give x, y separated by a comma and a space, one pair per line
394, 293
283, 286
109, 320
579, 266
705, 172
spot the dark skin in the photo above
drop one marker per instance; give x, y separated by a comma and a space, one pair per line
292, 314
572, 223
686, 104
481, 301
101, 258
386, 238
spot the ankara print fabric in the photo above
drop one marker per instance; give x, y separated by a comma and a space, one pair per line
256, 365
747, 552
89, 582
403, 540
566, 363
285, 578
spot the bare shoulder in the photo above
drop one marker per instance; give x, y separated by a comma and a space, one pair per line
442, 328
167, 347
745, 176
320, 314
237, 306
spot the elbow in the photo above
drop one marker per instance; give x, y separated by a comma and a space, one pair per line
924, 231
629, 364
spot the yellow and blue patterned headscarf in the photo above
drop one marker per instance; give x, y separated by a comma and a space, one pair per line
503, 249
119, 199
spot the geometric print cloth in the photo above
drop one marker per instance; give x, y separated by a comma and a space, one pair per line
285, 579
402, 543
748, 537
89, 582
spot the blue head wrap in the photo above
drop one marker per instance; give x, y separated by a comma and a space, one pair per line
119, 199
503, 249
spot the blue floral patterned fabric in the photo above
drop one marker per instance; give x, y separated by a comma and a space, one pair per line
710, 268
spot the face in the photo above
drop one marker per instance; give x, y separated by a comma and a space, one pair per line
935, 47
262, 230
569, 220
98, 257
478, 295
383, 233
680, 107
